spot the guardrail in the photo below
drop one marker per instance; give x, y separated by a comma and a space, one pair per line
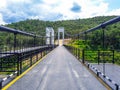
21, 61
19, 50
16, 46
80, 55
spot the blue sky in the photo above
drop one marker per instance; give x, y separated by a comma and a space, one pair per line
53, 10
113, 4
76, 8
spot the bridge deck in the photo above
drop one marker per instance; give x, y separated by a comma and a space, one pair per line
60, 70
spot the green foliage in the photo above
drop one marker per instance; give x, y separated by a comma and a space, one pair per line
117, 57
71, 26
91, 54
81, 44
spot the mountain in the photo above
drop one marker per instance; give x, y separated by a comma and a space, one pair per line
71, 26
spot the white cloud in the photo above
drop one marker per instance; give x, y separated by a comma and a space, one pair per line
51, 2
18, 1
89, 8
15, 10
3, 4
1, 20
114, 12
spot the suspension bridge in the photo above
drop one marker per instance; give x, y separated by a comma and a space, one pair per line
32, 62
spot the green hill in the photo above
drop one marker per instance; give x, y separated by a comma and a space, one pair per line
71, 26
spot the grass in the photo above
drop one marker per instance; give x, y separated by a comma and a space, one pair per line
91, 55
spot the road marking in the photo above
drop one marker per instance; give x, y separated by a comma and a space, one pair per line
44, 70
75, 73
44, 82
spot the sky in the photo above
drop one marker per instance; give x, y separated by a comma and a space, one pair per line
53, 10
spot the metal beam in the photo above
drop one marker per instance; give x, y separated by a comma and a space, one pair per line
6, 29
102, 25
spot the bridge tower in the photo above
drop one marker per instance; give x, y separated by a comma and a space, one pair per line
61, 30
49, 36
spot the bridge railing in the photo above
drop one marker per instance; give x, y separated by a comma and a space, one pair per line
103, 41
82, 57
100, 46
19, 62
19, 50
12, 40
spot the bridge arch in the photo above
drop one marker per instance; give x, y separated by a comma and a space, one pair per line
61, 30
49, 36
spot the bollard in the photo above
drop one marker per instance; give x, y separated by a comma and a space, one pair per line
117, 87
88, 65
98, 74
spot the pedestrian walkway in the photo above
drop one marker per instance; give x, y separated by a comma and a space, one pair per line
59, 70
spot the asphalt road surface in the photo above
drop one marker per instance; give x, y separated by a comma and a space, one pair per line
60, 70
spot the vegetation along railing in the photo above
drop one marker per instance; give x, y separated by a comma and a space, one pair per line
18, 51
100, 44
